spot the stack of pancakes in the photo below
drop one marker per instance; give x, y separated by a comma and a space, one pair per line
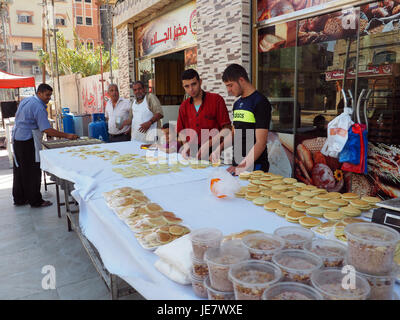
304, 204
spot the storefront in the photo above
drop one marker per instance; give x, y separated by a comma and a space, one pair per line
307, 54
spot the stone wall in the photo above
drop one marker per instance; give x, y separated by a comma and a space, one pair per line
125, 41
223, 37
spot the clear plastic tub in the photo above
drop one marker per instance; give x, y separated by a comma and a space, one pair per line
199, 267
250, 278
205, 238
333, 253
330, 283
219, 261
262, 246
297, 265
215, 294
198, 286
382, 287
291, 291
371, 247
295, 237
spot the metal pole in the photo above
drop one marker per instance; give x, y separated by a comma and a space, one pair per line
109, 24
4, 37
56, 52
102, 79
44, 44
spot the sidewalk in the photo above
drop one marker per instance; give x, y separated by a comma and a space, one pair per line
32, 238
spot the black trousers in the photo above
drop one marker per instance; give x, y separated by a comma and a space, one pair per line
27, 176
119, 138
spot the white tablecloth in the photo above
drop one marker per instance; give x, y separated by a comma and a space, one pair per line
187, 195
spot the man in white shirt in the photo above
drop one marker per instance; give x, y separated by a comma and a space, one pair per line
145, 114
117, 111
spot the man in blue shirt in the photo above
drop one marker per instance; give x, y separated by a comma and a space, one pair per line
31, 120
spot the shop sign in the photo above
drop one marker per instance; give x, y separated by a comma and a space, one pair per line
382, 70
174, 30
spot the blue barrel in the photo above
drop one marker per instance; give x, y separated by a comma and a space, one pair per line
98, 127
68, 121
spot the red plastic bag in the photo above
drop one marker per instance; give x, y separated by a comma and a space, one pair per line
358, 168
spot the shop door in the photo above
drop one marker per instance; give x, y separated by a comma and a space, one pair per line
378, 87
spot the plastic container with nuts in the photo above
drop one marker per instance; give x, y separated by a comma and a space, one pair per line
219, 261
371, 247
295, 237
250, 278
205, 238
332, 252
199, 267
215, 294
291, 291
297, 265
262, 246
198, 286
382, 287
331, 283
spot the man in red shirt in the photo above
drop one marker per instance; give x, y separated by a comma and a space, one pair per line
201, 117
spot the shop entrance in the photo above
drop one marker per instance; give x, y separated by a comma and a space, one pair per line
168, 71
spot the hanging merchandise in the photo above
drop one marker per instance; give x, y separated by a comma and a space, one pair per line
337, 133
360, 130
352, 149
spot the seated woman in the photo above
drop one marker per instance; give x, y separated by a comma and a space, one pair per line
168, 142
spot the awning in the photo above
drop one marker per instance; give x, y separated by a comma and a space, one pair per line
13, 81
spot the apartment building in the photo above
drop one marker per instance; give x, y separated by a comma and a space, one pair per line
86, 18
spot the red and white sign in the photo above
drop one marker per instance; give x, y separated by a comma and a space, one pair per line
372, 71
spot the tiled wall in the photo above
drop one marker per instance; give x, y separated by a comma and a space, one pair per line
126, 66
223, 38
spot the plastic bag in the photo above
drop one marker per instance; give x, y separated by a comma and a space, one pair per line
361, 167
222, 184
337, 134
352, 148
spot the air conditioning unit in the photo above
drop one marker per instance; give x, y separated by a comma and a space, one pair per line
35, 69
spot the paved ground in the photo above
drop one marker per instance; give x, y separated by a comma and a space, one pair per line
31, 239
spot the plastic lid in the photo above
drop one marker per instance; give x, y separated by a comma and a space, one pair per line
292, 290
207, 285
329, 282
372, 233
299, 234
206, 235
229, 253
263, 242
297, 260
327, 248
254, 273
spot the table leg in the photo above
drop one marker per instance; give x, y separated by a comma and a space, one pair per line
58, 201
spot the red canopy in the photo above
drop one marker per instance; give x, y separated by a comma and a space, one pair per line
13, 81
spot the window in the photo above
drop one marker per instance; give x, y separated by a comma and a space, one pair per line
24, 19
384, 57
88, 21
88, 1
79, 20
78, 0
60, 21
89, 45
27, 46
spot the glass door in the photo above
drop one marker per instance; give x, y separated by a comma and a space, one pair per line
379, 93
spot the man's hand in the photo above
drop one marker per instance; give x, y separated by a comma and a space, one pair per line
215, 156
145, 126
235, 171
71, 136
185, 151
126, 123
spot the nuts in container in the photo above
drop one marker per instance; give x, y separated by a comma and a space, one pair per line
215, 294
295, 237
219, 261
329, 282
291, 291
205, 238
371, 247
198, 286
332, 252
262, 246
297, 265
200, 268
250, 278
382, 287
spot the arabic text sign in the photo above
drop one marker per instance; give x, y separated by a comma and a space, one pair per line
174, 30
371, 71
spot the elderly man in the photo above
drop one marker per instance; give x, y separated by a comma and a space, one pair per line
145, 114
117, 111
31, 120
